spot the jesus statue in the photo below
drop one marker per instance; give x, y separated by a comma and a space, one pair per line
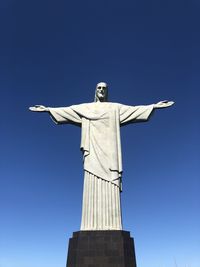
100, 122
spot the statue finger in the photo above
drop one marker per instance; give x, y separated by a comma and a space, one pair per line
32, 108
39, 106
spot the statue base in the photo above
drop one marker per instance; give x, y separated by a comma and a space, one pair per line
101, 249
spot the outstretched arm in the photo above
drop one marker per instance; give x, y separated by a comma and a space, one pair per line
131, 114
59, 115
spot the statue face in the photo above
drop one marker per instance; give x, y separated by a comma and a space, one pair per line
101, 91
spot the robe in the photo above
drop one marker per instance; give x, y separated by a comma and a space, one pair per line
101, 146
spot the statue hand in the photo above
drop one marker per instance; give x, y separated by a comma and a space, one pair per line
39, 108
163, 104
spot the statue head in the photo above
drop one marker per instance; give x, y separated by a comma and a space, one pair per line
101, 93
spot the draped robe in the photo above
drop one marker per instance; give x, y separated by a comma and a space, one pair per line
101, 147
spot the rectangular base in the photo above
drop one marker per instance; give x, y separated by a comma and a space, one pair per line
101, 249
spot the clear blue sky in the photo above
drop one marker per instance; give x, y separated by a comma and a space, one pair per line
54, 53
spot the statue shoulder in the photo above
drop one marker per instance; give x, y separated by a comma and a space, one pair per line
96, 106
114, 105
82, 105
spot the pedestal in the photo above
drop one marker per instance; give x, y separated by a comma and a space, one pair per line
101, 249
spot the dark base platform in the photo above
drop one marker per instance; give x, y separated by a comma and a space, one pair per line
101, 249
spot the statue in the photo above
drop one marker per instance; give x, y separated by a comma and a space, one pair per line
100, 143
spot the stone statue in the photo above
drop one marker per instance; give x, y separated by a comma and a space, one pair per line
100, 143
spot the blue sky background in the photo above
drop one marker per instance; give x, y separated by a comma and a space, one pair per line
54, 53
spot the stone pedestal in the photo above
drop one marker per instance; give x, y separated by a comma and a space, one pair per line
101, 249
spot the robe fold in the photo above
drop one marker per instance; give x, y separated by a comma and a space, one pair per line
101, 147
